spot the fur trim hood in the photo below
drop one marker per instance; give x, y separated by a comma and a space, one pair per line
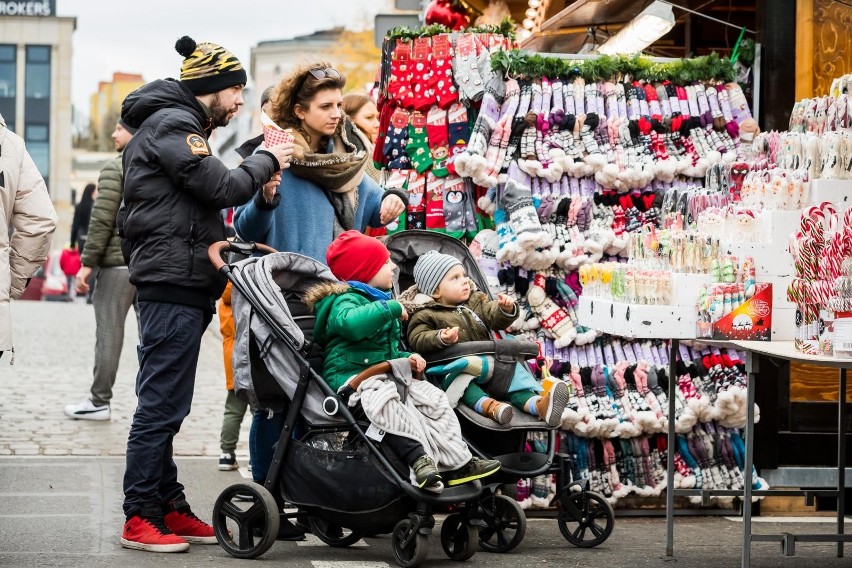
314, 294
413, 300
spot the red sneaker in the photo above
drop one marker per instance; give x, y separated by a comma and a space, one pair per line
183, 522
151, 534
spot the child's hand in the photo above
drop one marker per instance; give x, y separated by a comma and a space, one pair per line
404, 315
506, 303
450, 335
418, 362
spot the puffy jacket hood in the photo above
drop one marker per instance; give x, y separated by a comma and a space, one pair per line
158, 95
314, 299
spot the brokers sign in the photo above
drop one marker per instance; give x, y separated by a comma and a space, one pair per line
28, 8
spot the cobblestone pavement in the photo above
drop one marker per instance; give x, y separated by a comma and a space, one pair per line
54, 351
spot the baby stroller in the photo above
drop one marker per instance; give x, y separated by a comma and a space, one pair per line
343, 484
585, 518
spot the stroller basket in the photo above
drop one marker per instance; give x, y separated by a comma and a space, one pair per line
338, 480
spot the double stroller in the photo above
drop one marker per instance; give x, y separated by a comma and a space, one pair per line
342, 484
585, 518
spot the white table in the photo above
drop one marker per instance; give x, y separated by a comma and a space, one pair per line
779, 350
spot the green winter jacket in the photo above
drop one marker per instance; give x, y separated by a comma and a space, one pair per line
475, 319
355, 331
103, 246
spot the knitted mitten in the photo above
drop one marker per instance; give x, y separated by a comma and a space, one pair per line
472, 161
556, 322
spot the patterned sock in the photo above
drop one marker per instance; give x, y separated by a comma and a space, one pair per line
416, 215
421, 63
434, 203
442, 85
530, 408
459, 133
436, 127
399, 83
455, 206
417, 147
397, 135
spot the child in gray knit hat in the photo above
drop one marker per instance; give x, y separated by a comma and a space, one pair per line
446, 309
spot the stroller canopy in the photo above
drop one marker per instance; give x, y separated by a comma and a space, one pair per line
263, 288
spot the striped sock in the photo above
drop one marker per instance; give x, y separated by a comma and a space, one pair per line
530, 405
478, 406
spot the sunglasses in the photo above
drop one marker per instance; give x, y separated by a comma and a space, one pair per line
322, 73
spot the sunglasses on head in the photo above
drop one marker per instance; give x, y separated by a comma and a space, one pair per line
320, 73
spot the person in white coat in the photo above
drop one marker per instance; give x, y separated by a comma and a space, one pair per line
28, 221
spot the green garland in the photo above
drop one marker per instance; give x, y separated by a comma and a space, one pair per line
506, 29
521, 64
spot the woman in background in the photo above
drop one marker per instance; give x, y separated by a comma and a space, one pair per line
362, 111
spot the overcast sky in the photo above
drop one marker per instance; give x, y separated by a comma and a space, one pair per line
138, 36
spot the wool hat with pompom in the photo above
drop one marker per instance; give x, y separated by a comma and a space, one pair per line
207, 67
355, 256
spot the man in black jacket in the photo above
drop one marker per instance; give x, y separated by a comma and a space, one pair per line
174, 190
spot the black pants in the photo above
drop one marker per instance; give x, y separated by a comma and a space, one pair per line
169, 341
406, 449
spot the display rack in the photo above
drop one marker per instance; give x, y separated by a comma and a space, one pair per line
780, 350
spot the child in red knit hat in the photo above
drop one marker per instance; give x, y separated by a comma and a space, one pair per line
358, 324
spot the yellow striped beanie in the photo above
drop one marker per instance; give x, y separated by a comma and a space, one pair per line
207, 67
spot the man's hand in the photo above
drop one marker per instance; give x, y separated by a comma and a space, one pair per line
283, 153
404, 315
450, 335
506, 303
418, 362
270, 188
83, 279
392, 207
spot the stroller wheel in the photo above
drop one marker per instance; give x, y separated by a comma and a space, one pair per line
409, 547
245, 529
505, 524
585, 518
458, 538
333, 534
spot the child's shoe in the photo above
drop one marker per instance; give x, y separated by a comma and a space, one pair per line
552, 403
474, 469
499, 412
426, 474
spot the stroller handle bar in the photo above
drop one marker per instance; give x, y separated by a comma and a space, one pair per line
217, 250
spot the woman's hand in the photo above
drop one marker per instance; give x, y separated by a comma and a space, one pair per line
270, 188
392, 207
418, 362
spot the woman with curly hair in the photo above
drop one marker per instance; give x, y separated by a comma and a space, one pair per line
325, 191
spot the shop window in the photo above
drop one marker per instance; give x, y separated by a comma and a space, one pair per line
37, 139
8, 84
38, 72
